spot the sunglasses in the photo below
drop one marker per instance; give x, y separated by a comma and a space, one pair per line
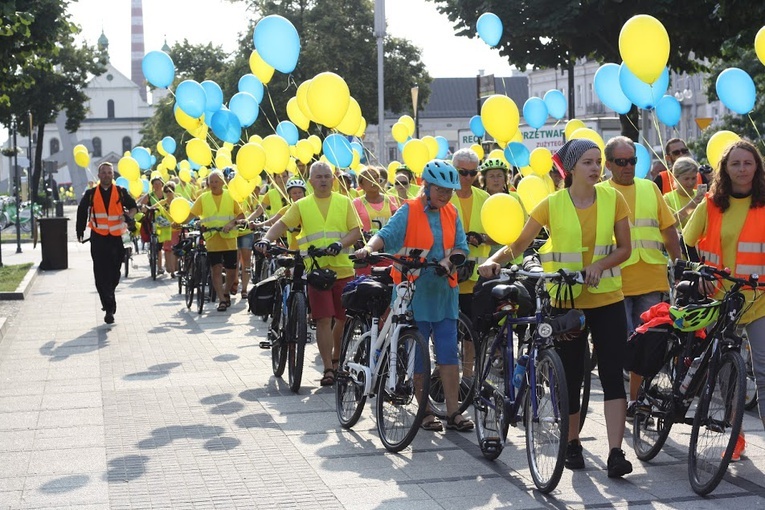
471, 173
678, 152
624, 161
400, 183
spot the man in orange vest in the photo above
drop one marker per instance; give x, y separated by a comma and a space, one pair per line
673, 150
103, 208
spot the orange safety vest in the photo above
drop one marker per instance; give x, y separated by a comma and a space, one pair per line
419, 236
668, 183
750, 250
107, 221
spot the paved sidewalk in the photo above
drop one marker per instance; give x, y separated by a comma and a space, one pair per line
170, 409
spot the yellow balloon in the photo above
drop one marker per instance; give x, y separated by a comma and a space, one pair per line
161, 149
407, 121
292, 166
541, 161
186, 121
478, 149
532, 190
352, 119
550, 183
362, 128
416, 155
355, 161
135, 187
203, 172
259, 68
180, 209
128, 168
526, 170
79, 148
717, 144
644, 47
328, 98
315, 143
169, 161
400, 132
250, 160
184, 175
759, 45
497, 153
200, 132
223, 160
184, 164
500, 117
432, 145
518, 137
296, 115
82, 159
502, 217
588, 134
277, 153
164, 173
199, 151
392, 166
572, 126
304, 151
302, 99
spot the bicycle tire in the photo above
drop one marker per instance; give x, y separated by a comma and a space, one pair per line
584, 404
126, 261
190, 282
298, 333
466, 352
153, 257
202, 275
652, 423
400, 412
349, 393
488, 400
547, 432
717, 423
276, 332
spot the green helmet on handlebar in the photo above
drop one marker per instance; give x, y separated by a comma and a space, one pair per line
695, 316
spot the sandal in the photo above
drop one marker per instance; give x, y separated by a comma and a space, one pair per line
464, 425
244, 294
226, 300
222, 306
329, 377
433, 425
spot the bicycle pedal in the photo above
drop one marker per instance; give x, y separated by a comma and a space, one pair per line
265, 344
491, 445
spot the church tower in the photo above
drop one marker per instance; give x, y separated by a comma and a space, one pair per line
136, 46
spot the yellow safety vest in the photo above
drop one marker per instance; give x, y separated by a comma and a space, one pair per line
647, 241
274, 202
563, 250
215, 217
319, 232
479, 254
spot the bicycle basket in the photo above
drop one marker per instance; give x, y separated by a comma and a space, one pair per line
366, 295
646, 353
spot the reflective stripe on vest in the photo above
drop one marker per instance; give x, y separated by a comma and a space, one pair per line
107, 221
368, 214
480, 253
320, 232
563, 250
214, 216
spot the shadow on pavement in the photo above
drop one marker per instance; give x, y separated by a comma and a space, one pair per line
127, 468
83, 344
64, 484
153, 372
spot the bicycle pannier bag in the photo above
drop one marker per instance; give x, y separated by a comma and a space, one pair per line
260, 299
645, 352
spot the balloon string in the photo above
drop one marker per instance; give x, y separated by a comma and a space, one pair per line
754, 125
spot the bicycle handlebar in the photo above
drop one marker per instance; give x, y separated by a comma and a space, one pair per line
711, 273
407, 261
561, 276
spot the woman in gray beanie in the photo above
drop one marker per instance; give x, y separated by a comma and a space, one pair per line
583, 220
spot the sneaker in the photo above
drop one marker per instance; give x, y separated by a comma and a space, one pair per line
618, 466
574, 457
109, 318
739, 449
631, 409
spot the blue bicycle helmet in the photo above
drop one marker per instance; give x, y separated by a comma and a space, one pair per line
442, 174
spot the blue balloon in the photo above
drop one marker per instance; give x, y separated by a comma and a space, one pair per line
338, 150
736, 90
251, 84
168, 143
191, 98
443, 147
158, 69
142, 156
288, 131
535, 112
643, 164
476, 126
639, 92
608, 90
225, 124
153, 160
489, 28
193, 165
245, 107
122, 182
214, 96
669, 111
356, 146
517, 154
145, 184
208, 117
277, 42
556, 103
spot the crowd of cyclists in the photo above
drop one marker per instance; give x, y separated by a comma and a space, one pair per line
623, 234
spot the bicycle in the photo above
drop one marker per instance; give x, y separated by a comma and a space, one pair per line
198, 279
711, 369
436, 394
369, 350
538, 398
154, 246
184, 251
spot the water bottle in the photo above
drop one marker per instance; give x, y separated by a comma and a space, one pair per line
520, 371
694, 366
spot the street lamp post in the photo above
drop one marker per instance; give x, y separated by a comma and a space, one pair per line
415, 108
17, 184
380, 35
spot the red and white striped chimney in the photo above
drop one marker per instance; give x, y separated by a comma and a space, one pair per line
136, 46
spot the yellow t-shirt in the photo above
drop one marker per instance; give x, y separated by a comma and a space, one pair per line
216, 242
588, 220
732, 223
292, 219
641, 277
676, 200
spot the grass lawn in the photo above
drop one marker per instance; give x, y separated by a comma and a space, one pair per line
9, 235
11, 276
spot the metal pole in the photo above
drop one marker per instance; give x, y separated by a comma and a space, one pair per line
416, 108
17, 184
382, 155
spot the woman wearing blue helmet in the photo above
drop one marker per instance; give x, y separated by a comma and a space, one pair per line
430, 223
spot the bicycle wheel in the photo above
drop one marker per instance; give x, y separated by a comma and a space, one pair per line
586, 384
201, 278
399, 411
466, 351
153, 254
750, 400
717, 423
349, 389
126, 260
489, 400
190, 281
546, 420
297, 332
654, 415
276, 333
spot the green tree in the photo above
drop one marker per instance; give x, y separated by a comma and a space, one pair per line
552, 33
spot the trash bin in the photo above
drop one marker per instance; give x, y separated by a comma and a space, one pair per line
53, 239
59, 208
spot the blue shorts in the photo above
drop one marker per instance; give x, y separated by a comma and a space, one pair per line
444, 336
245, 242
